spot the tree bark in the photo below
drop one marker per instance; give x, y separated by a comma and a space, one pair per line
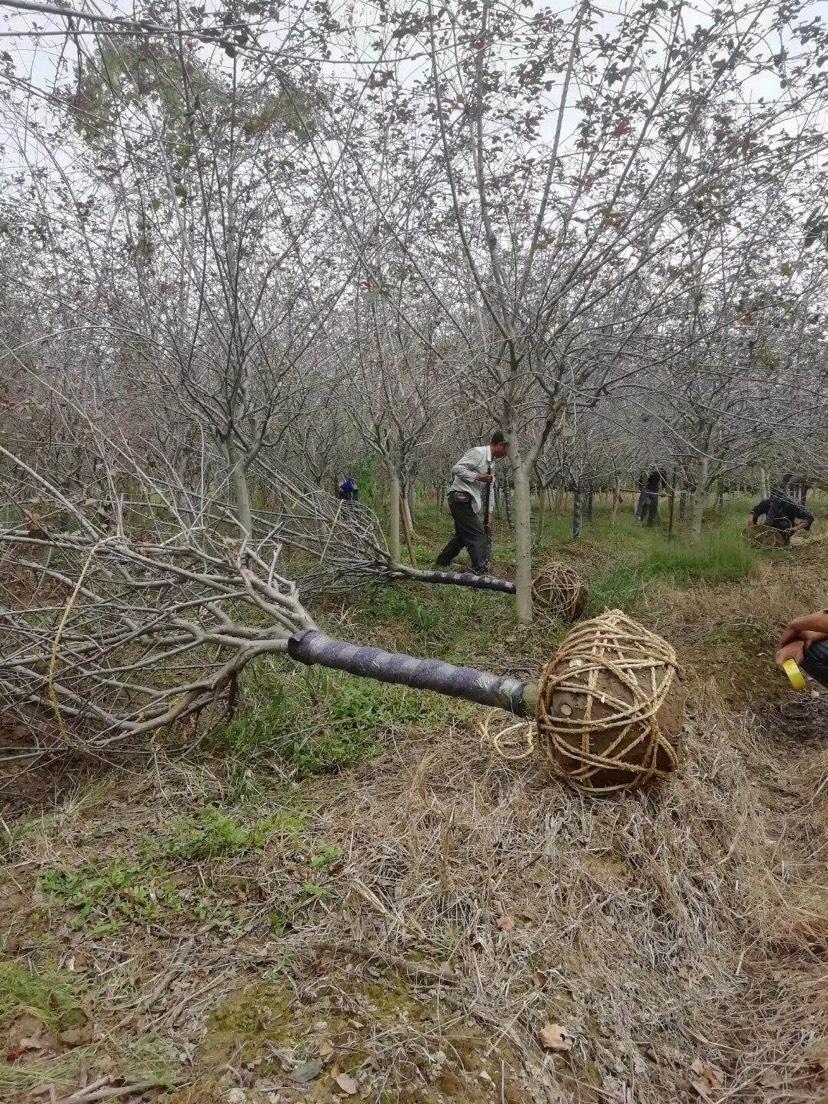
699, 499
408, 529
541, 516
523, 541
394, 516
241, 491
576, 513
507, 506
407, 498
616, 501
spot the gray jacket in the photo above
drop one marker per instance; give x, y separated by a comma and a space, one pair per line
477, 461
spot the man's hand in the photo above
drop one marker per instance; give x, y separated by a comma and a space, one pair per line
484, 477
807, 630
794, 650
751, 520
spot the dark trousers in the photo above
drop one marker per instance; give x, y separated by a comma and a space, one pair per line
815, 662
468, 533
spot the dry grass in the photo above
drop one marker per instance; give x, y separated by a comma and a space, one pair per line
414, 922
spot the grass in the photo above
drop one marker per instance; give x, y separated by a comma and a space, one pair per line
105, 895
314, 722
414, 860
44, 993
721, 556
214, 834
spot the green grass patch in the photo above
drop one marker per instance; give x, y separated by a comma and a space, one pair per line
105, 895
720, 556
44, 993
315, 721
214, 834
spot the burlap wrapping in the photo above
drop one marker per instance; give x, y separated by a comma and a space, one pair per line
610, 703
560, 589
766, 536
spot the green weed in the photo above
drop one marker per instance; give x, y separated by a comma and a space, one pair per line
105, 896
324, 857
214, 834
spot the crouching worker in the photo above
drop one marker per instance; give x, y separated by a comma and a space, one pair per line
348, 491
782, 513
470, 475
805, 641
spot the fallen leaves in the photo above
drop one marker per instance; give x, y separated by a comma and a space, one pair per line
554, 1037
506, 923
346, 1083
26, 1034
307, 1071
707, 1079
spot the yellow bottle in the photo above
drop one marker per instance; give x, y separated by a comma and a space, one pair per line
797, 679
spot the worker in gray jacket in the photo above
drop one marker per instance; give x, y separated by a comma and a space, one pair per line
472, 479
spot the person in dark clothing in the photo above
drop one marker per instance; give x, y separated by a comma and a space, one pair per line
783, 513
647, 509
805, 640
470, 475
348, 491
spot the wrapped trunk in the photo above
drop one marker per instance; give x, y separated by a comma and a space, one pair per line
500, 691
456, 578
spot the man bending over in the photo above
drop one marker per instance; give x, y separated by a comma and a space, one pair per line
470, 475
783, 513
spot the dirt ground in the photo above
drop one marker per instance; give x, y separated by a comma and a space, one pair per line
439, 924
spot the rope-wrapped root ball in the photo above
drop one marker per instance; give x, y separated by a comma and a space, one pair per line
610, 704
560, 589
766, 536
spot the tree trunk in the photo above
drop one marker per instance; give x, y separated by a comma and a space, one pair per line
394, 517
616, 501
700, 499
241, 491
576, 513
456, 578
507, 505
523, 542
407, 500
672, 501
764, 484
541, 516
683, 503
559, 501
590, 494
408, 529
500, 691
652, 508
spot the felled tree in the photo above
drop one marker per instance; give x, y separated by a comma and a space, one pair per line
127, 622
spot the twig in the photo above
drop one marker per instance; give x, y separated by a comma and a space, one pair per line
103, 1091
